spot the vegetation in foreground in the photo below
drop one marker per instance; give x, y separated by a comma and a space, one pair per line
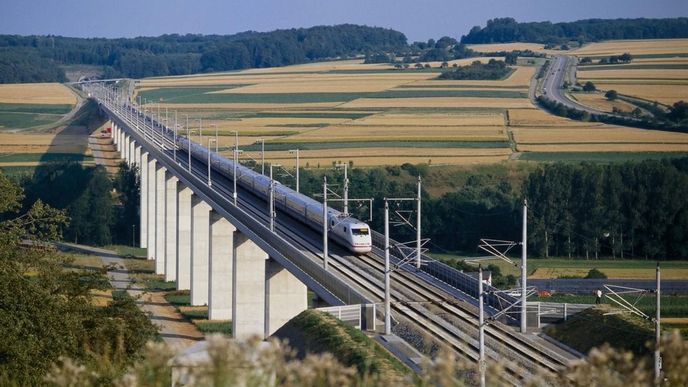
272, 364
47, 303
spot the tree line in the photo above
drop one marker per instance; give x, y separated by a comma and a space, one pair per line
626, 210
41, 57
97, 215
493, 70
504, 30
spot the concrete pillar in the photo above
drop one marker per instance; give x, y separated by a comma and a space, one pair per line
143, 172
152, 193
116, 136
160, 219
200, 239
171, 227
132, 151
112, 130
126, 148
248, 288
184, 237
220, 268
137, 155
285, 296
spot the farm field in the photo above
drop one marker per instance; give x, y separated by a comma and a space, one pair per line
30, 129
598, 101
658, 71
371, 114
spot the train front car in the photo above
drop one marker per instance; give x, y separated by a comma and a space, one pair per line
358, 237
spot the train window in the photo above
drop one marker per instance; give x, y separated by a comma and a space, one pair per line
359, 231
333, 223
344, 229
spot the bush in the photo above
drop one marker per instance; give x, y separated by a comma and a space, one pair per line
595, 274
611, 95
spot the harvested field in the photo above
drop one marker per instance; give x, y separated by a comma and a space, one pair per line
616, 273
438, 102
382, 156
37, 93
433, 119
599, 102
520, 77
666, 94
496, 47
634, 47
603, 134
249, 106
42, 143
405, 133
604, 147
537, 117
634, 74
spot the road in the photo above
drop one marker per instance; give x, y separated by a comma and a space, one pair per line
554, 79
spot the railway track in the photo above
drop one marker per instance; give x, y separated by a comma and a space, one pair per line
448, 321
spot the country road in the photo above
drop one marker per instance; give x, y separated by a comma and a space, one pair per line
554, 79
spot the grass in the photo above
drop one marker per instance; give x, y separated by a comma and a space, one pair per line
592, 328
348, 344
352, 116
154, 281
42, 157
671, 306
137, 265
207, 327
598, 157
128, 251
35, 108
26, 120
179, 298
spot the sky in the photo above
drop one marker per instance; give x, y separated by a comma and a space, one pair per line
420, 20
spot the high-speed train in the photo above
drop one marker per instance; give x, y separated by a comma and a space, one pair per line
349, 232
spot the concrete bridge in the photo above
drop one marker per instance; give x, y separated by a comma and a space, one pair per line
227, 254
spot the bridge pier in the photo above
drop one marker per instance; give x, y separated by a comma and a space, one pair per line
220, 268
151, 208
285, 296
132, 151
137, 155
184, 194
143, 209
115, 136
248, 288
160, 210
200, 238
171, 219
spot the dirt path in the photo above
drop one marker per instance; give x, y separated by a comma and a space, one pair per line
174, 329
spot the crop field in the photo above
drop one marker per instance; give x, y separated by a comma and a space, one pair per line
37, 93
663, 93
372, 114
634, 47
598, 101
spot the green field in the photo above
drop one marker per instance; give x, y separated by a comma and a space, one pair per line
42, 157
21, 116
598, 157
34, 108
671, 306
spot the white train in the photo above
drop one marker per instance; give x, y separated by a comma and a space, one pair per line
349, 232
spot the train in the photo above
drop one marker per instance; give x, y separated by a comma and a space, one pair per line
349, 232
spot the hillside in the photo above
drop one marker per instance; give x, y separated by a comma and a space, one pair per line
507, 30
42, 57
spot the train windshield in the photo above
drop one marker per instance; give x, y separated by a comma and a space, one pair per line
360, 231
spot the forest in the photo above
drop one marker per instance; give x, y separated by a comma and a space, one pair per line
504, 30
586, 210
39, 58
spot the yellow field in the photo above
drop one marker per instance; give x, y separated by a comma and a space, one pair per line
36, 93
438, 102
666, 94
538, 118
400, 119
599, 102
249, 106
495, 47
614, 136
41, 143
520, 78
634, 74
634, 47
401, 133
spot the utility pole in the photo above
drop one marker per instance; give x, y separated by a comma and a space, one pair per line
297, 167
658, 335
388, 317
346, 188
235, 158
524, 256
174, 148
262, 156
481, 328
272, 199
210, 182
325, 220
418, 244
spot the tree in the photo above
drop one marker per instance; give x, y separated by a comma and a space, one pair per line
589, 87
586, 60
678, 112
611, 95
510, 58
